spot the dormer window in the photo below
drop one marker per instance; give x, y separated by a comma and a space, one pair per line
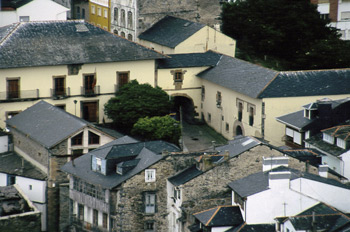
150, 175
328, 138
77, 140
93, 138
341, 143
310, 114
98, 164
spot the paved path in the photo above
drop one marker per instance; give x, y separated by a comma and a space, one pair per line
200, 137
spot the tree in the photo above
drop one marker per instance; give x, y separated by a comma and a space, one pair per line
286, 31
134, 101
158, 128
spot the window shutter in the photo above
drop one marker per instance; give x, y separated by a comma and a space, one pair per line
103, 167
93, 163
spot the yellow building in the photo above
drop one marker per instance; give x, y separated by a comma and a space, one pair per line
173, 35
75, 66
100, 13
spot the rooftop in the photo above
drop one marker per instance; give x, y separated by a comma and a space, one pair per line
220, 216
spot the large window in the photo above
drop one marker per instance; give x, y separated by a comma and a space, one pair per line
89, 84
59, 86
122, 79
130, 21
13, 88
77, 140
150, 202
93, 138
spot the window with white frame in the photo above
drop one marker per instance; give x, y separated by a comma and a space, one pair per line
150, 202
328, 138
92, 9
345, 15
105, 12
99, 12
98, 164
150, 175
341, 143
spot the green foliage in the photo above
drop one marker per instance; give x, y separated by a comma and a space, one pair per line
134, 101
158, 128
290, 32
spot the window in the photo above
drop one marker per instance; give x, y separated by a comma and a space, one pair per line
177, 193
324, 16
122, 34
203, 93
11, 180
341, 143
89, 84
90, 111
83, 13
122, 20
11, 114
227, 127
78, 12
92, 9
150, 202
98, 164
13, 88
77, 152
81, 212
178, 77
150, 175
149, 226
94, 138
122, 79
209, 117
130, 20
24, 18
116, 15
218, 99
77, 140
105, 13
251, 116
345, 15
328, 138
59, 87
99, 12
95, 217
115, 32
30, 187
130, 37
104, 220
240, 111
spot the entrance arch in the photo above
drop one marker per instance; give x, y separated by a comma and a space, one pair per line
185, 103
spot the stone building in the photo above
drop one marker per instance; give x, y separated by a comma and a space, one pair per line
205, 185
130, 18
48, 137
17, 213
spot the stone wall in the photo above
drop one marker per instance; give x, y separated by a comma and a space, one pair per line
21, 223
65, 207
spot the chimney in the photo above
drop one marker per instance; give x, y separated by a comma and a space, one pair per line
278, 180
206, 162
333, 10
274, 162
323, 171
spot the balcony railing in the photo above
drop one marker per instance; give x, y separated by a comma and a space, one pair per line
60, 93
90, 92
18, 95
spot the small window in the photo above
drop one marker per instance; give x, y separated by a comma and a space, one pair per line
59, 89
328, 138
104, 220
11, 114
203, 93
178, 76
122, 34
83, 13
240, 111
177, 193
209, 117
227, 127
150, 175
341, 143
130, 21
99, 12
218, 99
98, 164
345, 15
95, 217
81, 212
122, 20
13, 88
116, 15
61, 106
94, 138
251, 116
24, 18
115, 32
122, 79
30, 187
77, 140
149, 226
105, 13
92, 9
130, 37
11, 180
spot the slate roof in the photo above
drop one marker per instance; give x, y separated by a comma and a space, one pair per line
170, 31
326, 219
53, 43
147, 157
209, 59
238, 145
220, 216
259, 182
341, 131
253, 228
309, 155
47, 124
240, 76
185, 175
308, 83
14, 4
12, 163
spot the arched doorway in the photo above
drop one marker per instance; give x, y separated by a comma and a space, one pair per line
185, 104
239, 130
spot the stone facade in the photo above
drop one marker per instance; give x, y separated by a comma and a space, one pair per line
21, 223
128, 199
210, 189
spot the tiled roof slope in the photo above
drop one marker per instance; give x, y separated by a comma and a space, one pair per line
190, 60
220, 216
170, 31
13, 164
46, 124
65, 42
239, 75
308, 83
